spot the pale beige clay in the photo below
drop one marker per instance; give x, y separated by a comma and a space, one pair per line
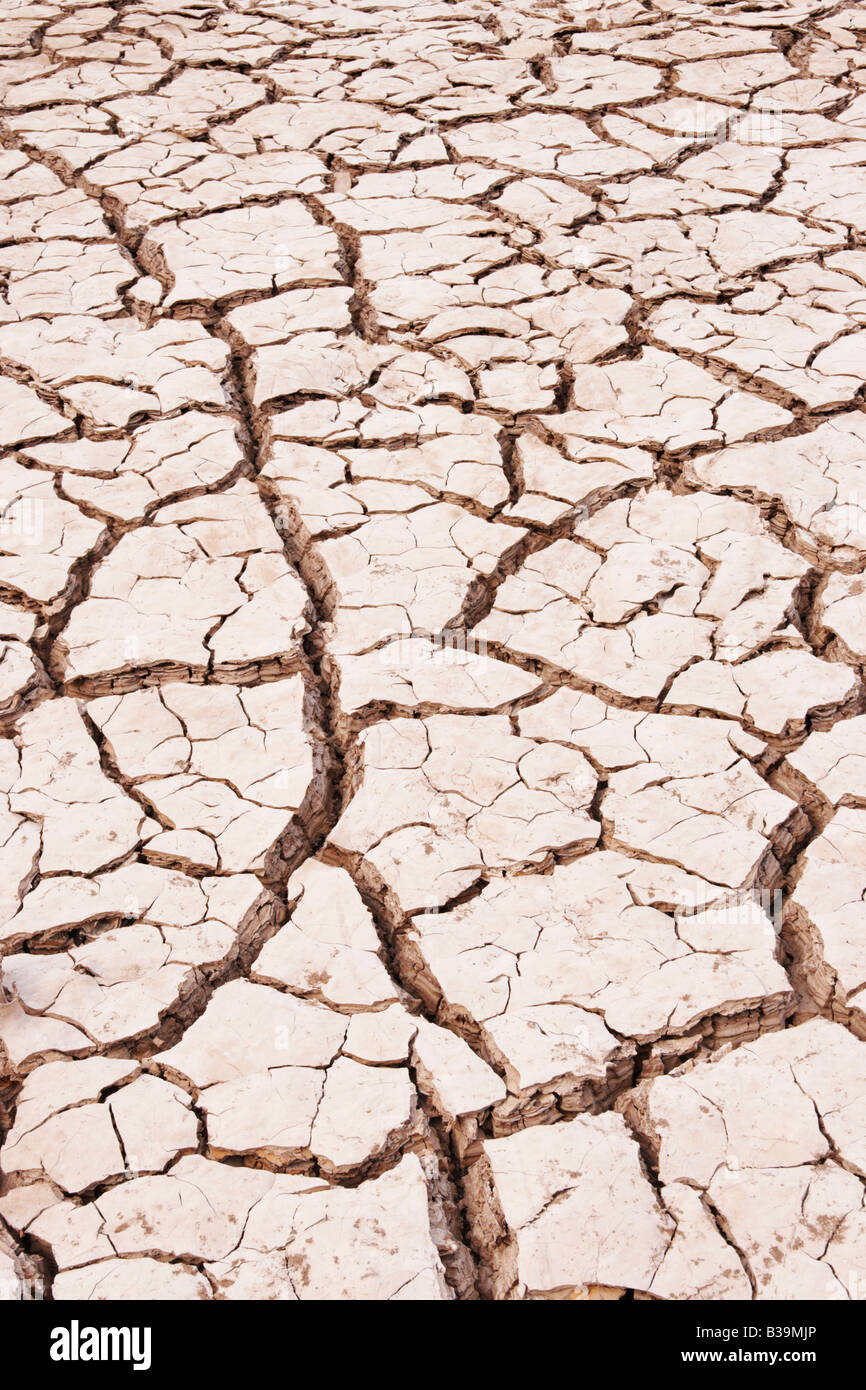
432, 643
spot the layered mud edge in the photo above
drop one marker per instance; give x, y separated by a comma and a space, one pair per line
466, 1211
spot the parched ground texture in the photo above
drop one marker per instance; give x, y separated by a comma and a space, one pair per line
432, 550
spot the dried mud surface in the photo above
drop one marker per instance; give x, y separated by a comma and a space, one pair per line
432, 720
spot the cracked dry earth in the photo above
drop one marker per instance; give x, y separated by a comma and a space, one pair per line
433, 728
